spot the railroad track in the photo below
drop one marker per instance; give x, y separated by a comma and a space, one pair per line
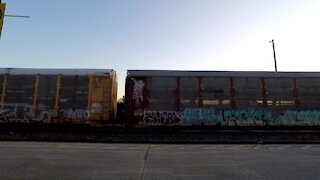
76, 133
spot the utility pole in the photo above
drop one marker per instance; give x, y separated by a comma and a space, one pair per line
18, 16
2, 15
2, 10
274, 56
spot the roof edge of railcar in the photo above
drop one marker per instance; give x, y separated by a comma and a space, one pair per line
55, 71
181, 73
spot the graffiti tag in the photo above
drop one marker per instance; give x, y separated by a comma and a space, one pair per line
23, 113
138, 91
161, 117
74, 114
233, 117
199, 116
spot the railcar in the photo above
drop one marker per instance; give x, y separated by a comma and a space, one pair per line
167, 98
78, 96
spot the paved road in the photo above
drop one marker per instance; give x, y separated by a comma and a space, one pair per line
42, 160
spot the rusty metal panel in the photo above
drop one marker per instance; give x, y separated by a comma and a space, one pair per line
20, 89
216, 92
232, 93
129, 106
139, 97
102, 100
161, 93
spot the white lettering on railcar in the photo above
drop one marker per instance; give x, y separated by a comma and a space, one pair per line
138, 91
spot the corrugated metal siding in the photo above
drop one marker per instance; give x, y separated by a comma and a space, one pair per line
216, 92
74, 92
248, 93
280, 93
114, 99
129, 107
309, 90
1, 85
20, 89
162, 93
47, 91
106, 97
189, 92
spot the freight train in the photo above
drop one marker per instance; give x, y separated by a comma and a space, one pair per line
160, 97
78, 96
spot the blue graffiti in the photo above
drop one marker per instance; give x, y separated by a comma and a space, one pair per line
298, 118
271, 118
200, 116
238, 117
247, 117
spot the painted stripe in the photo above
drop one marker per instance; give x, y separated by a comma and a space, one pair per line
236, 147
306, 147
283, 147
216, 147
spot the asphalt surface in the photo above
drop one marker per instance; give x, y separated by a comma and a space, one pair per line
44, 160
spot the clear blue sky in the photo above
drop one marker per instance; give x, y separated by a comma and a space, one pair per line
162, 34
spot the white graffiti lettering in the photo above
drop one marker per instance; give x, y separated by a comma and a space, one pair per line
233, 117
26, 113
96, 108
138, 91
23, 113
162, 117
74, 114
